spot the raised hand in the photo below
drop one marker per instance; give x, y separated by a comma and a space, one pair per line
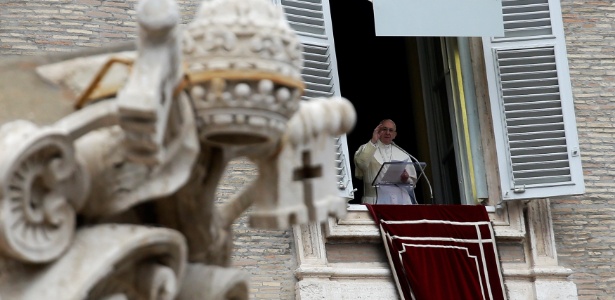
376, 133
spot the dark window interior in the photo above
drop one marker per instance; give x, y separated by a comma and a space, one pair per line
374, 75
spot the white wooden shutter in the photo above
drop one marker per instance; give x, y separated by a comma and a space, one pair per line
312, 21
532, 104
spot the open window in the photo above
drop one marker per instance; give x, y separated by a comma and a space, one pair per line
409, 80
423, 84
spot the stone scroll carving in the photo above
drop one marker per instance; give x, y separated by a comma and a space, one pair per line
42, 187
77, 197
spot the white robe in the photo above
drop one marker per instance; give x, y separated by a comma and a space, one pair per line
368, 160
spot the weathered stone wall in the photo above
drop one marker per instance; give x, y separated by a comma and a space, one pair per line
46, 26
584, 226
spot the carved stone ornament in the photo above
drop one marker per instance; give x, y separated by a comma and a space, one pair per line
244, 63
42, 186
148, 144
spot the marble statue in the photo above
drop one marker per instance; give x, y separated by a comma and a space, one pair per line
116, 199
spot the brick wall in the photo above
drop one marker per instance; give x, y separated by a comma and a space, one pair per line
584, 226
29, 27
267, 255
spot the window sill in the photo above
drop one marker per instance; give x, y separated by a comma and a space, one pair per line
358, 225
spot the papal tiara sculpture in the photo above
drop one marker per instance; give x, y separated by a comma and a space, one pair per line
244, 64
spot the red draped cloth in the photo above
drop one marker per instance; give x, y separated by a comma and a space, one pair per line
441, 251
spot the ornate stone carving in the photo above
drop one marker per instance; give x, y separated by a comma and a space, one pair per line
244, 63
42, 187
148, 114
120, 181
76, 195
134, 262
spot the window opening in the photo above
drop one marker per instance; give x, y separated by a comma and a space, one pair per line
385, 78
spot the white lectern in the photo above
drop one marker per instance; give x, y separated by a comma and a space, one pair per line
389, 187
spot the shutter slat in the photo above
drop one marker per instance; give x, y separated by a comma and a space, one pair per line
314, 59
312, 25
530, 90
320, 87
543, 82
541, 157
537, 15
315, 49
531, 97
538, 142
527, 68
302, 12
317, 79
533, 104
529, 61
508, 64
302, 27
529, 75
562, 163
549, 127
528, 24
528, 113
536, 135
533, 121
315, 22
315, 66
538, 150
317, 72
514, 7
308, 5
309, 94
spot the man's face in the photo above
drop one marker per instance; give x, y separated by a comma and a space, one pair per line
387, 132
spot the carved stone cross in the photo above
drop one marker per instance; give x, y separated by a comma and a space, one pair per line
305, 173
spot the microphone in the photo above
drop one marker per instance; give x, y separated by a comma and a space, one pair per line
420, 167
